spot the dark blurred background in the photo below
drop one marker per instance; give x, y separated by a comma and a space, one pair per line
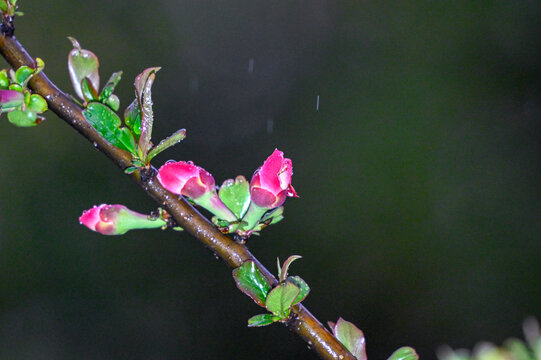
415, 134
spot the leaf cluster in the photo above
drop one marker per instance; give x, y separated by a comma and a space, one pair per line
17, 100
279, 301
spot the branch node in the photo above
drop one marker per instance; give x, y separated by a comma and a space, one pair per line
7, 28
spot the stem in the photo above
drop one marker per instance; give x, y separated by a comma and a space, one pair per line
233, 254
253, 215
214, 204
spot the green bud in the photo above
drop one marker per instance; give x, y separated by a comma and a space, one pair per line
40, 64
37, 103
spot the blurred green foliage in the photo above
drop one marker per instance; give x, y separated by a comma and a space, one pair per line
419, 176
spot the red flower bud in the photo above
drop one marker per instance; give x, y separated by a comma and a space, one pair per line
271, 183
117, 220
185, 178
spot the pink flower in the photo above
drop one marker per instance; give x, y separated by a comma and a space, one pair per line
271, 183
117, 220
185, 178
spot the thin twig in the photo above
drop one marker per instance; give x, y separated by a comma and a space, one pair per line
303, 322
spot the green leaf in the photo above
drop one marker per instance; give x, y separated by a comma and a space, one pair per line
404, 353
303, 287
274, 216
3, 5
23, 74
89, 92
130, 169
4, 79
25, 118
37, 103
110, 86
82, 64
518, 350
166, 143
351, 337
143, 84
250, 281
285, 267
235, 194
280, 299
16, 87
113, 102
107, 124
261, 320
40, 64
132, 118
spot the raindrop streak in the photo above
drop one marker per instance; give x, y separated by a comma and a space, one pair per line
194, 84
270, 125
251, 65
317, 103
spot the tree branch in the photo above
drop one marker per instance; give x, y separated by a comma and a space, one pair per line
234, 254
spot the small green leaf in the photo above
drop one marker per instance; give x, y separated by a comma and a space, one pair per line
285, 266
302, 285
166, 143
89, 92
107, 124
40, 64
351, 337
110, 86
274, 216
404, 353
132, 118
250, 281
37, 103
3, 5
113, 102
518, 350
23, 74
82, 64
280, 299
235, 194
25, 118
16, 87
261, 320
4, 79
143, 84
130, 169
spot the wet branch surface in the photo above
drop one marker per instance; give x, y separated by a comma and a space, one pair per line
234, 254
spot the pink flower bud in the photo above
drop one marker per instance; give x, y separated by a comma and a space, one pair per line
271, 183
117, 220
10, 99
185, 178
